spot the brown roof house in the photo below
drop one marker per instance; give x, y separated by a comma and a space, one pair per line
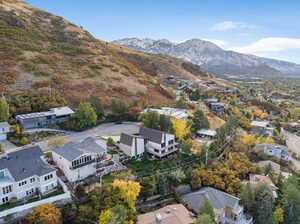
171, 214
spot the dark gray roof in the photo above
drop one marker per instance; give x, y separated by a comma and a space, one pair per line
25, 163
126, 139
73, 150
152, 134
217, 198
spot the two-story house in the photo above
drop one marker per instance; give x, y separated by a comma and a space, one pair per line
25, 173
79, 160
44, 119
158, 143
4, 129
226, 207
132, 145
279, 151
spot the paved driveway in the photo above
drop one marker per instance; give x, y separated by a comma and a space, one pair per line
107, 129
8, 146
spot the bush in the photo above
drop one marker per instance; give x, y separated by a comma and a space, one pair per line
24, 141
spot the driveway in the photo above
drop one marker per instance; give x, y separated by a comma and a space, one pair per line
106, 129
293, 143
7, 145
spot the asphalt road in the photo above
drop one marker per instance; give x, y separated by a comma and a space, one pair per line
106, 129
293, 143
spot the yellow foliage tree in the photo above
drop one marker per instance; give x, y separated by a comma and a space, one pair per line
248, 140
128, 191
105, 216
259, 113
197, 149
44, 214
180, 127
56, 142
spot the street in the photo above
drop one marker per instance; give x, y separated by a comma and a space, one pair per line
293, 143
106, 129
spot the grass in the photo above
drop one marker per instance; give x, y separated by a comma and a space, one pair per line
148, 166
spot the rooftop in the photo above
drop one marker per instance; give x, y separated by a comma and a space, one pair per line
171, 214
57, 111
217, 198
4, 124
207, 132
73, 150
25, 163
152, 134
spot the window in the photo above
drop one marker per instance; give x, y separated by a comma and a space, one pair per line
22, 183
171, 142
1, 174
5, 200
156, 150
32, 180
163, 145
30, 192
7, 189
48, 177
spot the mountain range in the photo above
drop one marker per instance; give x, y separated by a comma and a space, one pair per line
213, 58
44, 52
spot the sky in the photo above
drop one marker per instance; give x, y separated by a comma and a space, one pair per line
268, 28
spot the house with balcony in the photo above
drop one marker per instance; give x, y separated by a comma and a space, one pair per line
275, 150
79, 160
226, 207
158, 143
132, 145
25, 174
44, 119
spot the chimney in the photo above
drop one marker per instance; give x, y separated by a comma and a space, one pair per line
158, 219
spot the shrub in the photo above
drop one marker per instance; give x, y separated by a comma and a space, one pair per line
23, 141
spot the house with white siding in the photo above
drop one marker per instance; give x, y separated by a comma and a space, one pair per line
4, 129
132, 145
79, 160
24, 174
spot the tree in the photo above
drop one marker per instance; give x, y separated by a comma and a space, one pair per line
85, 116
1, 149
97, 106
118, 107
291, 205
180, 127
80, 191
247, 198
264, 205
186, 145
23, 141
206, 208
4, 110
151, 119
56, 142
44, 214
278, 215
165, 123
204, 219
115, 215
199, 121
195, 95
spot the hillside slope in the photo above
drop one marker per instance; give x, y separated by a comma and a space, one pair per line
213, 58
45, 52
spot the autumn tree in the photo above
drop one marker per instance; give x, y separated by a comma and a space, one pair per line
117, 214
85, 116
4, 110
199, 121
278, 215
44, 214
181, 128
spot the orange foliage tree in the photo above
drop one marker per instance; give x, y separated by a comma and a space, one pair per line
44, 214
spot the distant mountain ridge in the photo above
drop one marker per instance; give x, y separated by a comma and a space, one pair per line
213, 58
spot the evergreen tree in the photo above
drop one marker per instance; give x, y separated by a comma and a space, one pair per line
247, 198
151, 119
4, 110
199, 121
204, 219
291, 204
206, 208
97, 106
85, 116
264, 205
165, 123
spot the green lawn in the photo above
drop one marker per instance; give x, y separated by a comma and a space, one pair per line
149, 166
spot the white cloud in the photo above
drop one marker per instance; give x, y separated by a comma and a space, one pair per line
220, 43
270, 44
230, 25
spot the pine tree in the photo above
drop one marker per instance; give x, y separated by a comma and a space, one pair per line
199, 121
206, 208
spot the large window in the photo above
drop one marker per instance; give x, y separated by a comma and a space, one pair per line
48, 177
7, 189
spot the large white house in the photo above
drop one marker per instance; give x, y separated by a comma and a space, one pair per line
155, 142
25, 173
79, 160
279, 151
171, 112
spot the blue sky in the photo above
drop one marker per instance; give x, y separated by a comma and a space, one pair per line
268, 28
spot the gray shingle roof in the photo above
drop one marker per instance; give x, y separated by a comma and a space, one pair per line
152, 134
73, 150
126, 139
25, 163
217, 198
